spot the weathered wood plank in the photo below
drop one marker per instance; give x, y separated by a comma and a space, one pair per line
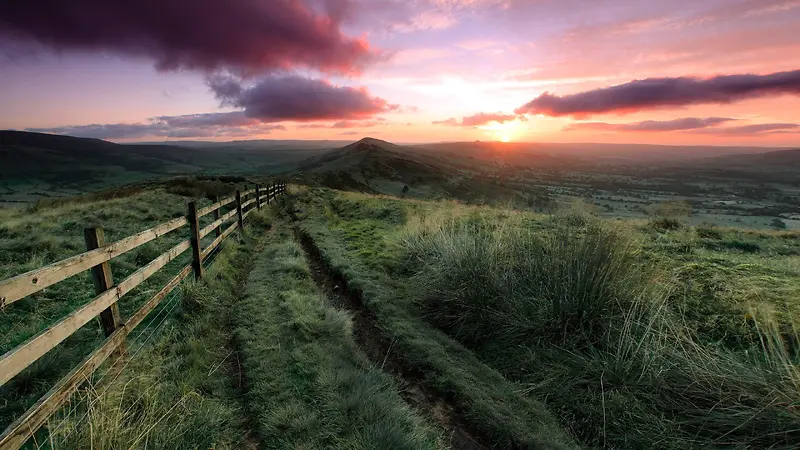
248, 203
207, 251
27, 424
247, 193
20, 286
247, 214
17, 359
215, 225
211, 208
18, 432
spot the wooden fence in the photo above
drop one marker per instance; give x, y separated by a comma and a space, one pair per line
96, 259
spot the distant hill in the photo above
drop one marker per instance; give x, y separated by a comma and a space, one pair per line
48, 155
36, 165
571, 155
370, 165
376, 166
780, 158
782, 166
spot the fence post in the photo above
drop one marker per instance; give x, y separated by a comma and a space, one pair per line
239, 210
218, 230
258, 196
103, 281
197, 261
269, 189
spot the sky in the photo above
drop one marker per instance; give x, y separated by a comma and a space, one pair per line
719, 72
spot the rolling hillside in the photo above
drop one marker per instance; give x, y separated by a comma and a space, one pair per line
380, 167
36, 165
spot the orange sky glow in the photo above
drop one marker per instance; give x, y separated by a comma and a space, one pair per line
720, 72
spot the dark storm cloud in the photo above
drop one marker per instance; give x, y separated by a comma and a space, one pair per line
233, 124
294, 98
479, 119
654, 93
687, 123
246, 35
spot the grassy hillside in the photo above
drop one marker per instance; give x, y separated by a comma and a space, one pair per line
380, 167
33, 238
261, 353
180, 385
35, 165
633, 334
349, 320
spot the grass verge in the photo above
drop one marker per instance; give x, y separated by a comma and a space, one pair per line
180, 390
491, 405
307, 384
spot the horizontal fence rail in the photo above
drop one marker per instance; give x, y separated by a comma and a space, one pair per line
34, 281
104, 304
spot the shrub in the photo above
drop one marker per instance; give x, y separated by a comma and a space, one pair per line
708, 232
747, 247
778, 223
666, 224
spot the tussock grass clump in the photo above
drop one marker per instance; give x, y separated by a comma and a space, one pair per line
565, 288
578, 314
666, 224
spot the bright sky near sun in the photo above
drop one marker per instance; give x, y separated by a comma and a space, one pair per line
674, 72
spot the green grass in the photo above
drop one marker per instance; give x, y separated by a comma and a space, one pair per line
553, 331
35, 237
180, 389
308, 385
356, 250
634, 336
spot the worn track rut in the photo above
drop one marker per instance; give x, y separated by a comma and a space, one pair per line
378, 349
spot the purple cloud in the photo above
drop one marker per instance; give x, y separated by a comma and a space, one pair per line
294, 98
358, 124
203, 35
479, 119
655, 93
233, 124
687, 123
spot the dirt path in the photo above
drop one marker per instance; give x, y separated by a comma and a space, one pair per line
379, 350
